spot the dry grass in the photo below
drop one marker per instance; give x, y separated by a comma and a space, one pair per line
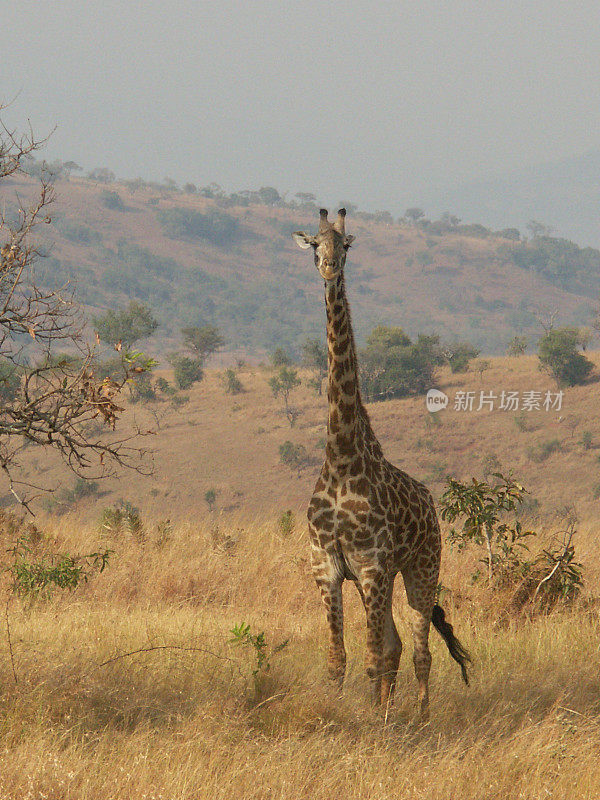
231, 444
188, 720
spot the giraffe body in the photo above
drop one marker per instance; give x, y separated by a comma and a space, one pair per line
368, 520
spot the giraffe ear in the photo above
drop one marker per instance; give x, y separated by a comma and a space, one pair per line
303, 240
348, 240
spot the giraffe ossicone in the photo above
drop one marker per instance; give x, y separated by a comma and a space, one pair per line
369, 520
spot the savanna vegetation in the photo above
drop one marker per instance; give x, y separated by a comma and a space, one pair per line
161, 634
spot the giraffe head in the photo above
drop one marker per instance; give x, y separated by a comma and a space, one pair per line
330, 245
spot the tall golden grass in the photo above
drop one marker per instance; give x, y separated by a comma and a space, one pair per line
184, 717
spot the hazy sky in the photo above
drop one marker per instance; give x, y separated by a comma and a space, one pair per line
379, 103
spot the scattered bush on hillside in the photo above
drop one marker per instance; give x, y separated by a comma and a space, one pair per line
560, 261
587, 441
543, 450
61, 501
231, 382
282, 385
280, 358
314, 356
126, 326
10, 381
293, 456
203, 341
210, 498
163, 385
76, 231
459, 355
101, 175
123, 518
187, 371
510, 233
559, 357
183, 223
517, 346
141, 389
112, 200
392, 365
490, 465
286, 523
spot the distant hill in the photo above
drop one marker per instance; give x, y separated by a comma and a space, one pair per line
230, 260
564, 194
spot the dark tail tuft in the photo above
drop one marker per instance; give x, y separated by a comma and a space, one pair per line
457, 651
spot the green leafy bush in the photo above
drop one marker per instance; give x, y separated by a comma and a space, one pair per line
216, 227
112, 200
392, 365
231, 382
559, 356
187, 371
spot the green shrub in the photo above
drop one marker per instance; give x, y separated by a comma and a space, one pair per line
111, 199
216, 227
231, 382
559, 356
187, 371
392, 365
286, 523
459, 356
293, 455
517, 346
544, 450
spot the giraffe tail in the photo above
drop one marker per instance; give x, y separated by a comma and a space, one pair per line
457, 651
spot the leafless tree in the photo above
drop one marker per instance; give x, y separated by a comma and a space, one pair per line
50, 394
545, 317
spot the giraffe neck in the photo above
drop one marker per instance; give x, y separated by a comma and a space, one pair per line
343, 394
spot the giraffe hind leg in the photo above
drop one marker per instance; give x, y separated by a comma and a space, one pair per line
392, 650
420, 593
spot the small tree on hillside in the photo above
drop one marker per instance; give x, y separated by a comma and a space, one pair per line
293, 455
459, 356
517, 346
314, 356
203, 342
126, 326
282, 385
414, 214
559, 356
394, 366
280, 358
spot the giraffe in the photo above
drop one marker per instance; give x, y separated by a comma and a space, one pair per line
369, 520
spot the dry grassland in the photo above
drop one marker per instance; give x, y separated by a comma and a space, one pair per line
231, 443
185, 718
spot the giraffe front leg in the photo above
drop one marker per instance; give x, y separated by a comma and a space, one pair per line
329, 582
392, 647
374, 585
331, 594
